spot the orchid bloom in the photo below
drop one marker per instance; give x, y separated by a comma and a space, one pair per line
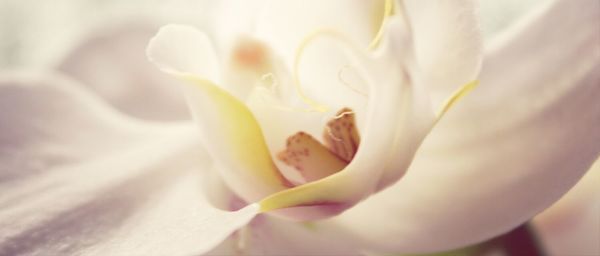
316, 131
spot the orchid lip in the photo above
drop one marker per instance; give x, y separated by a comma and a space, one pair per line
315, 160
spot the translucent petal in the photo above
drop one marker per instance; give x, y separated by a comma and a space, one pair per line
506, 152
285, 24
571, 225
447, 41
111, 62
229, 130
74, 173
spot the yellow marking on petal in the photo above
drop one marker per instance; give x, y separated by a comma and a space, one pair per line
310, 225
457, 95
387, 12
307, 155
332, 189
243, 139
315, 106
299, 52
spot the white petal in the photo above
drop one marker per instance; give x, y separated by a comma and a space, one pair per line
280, 121
177, 223
112, 62
287, 23
235, 18
508, 150
447, 41
391, 135
571, 226
267, 235
333, 81
74, 171
181, 49
227, 127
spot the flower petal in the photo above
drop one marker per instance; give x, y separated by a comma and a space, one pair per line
112, 63
392, 134
175, 225
510, 149
229, 130
280, 121
74, 171
571, 226
267, 235
448, 44
183, 50
234, 18
244, 157
285, 24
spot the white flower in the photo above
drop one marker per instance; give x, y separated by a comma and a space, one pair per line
79, 177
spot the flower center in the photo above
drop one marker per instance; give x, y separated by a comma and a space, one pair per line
315, 160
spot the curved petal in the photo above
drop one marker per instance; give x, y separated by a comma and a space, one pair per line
247, 165
508, 150
267, 235
75, 172
230, 132
173, 225
447, 41
183, 50
286, 24
113, 64
391, 130
280, 121
571, 226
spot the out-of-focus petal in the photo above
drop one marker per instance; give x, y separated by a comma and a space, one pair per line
112, 63
447, 41
176, 223
572, 225
75, 172
507, 151
266, 235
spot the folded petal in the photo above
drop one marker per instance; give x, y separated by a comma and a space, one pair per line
112, 62
75, 172
183, 50
507, 151
447, 42
392, 133
228, 128
571, 226
235, 139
